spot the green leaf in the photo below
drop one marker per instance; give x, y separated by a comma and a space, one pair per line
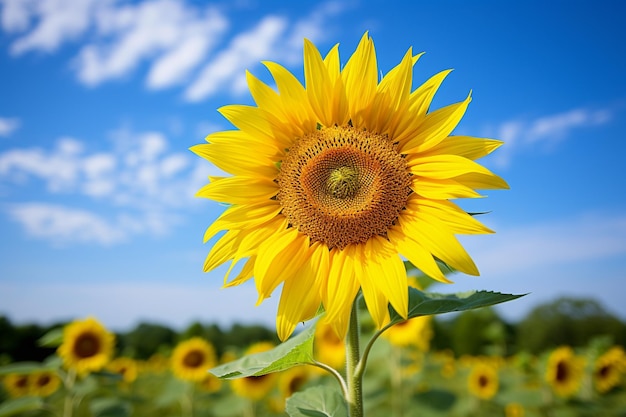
110, 407
53, 338
426, 304
320, 401
296, 351
25, 368
20, 405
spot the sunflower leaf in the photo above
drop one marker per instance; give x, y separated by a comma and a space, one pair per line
426, 304
20, 405
296, 351
53, 338
24, 368
320, 401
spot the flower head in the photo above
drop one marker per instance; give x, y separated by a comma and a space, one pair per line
125, 367
608, 369
87, 346
17, 385
335, 181
565, 371
483, 381
192, 359
44, 383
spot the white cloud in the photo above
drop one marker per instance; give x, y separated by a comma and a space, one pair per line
139, 180
244, 50
57, 22
64, 225
8, 125
545, 132
178, 36
273, 38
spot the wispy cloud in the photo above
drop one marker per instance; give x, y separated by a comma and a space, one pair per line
546, 131
8, 125
181, 42
143, 185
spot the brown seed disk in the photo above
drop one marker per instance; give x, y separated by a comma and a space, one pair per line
340, 186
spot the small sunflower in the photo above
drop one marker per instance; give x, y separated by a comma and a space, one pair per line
608, 369
483, 381
413, 332
514, 410
17, 385
87, 346
44, 383
210, 383
564, 371
255, 388
334, 182
192, 359
329, 348
126, 367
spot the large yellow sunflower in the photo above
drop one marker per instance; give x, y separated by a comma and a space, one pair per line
192, 359
335, 181
87, 346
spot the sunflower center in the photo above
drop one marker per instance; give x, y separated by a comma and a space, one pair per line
340, 185
87, 345
193, 359
562, 372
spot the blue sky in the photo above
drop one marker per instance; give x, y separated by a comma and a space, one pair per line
100, 100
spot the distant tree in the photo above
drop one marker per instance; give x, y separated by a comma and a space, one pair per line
477, 332
567, 321
145, 340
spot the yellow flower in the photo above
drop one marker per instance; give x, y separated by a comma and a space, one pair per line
255, 388
44, 383
333, 182
192, 359
17, 385
607, 372
126, 367
329, 348
564, 371
210, 383
87, 346
514, 410
416, 332
483, 380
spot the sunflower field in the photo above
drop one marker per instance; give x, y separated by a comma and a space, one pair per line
406, 376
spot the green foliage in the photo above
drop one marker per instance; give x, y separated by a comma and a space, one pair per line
146, 339
319, 401
567, 321
298, 350
21, 405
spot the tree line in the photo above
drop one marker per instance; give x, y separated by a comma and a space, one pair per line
565, 321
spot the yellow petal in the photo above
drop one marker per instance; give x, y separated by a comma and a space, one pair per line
482, 181
441, 189
243, 217
443, 166
223, 250
239, 190
300, 298
319, 86
278, 258
360, 77
441, 243
244, 275
465, 146
389, 269
341, 290
417, 254
237, 159
434, 128
376, 301
447, 213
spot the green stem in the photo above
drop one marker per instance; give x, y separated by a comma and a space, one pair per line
334, 373
354, 372
69, 381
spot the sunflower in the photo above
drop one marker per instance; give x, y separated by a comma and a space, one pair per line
192, 359
564, 371
87, 346
329, 348
607, 372
514, 410
335, 181
44, 383
413, 332
483, 381
255, 388
126, 367
17, 385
